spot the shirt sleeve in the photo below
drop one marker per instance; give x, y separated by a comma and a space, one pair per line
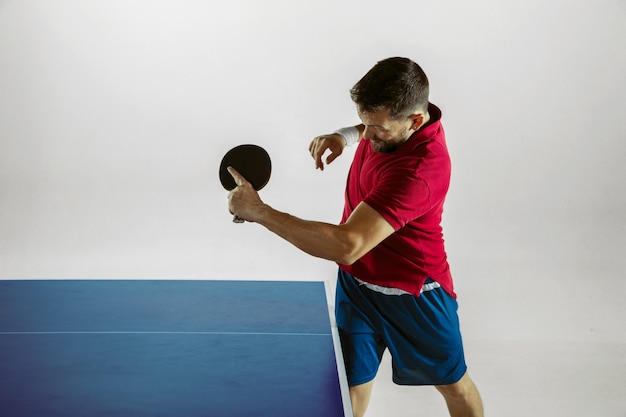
400, 197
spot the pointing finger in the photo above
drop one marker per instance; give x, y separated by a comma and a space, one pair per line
239, 180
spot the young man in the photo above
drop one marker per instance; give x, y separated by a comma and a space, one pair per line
394, 288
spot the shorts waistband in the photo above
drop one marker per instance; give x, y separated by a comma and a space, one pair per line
428, 286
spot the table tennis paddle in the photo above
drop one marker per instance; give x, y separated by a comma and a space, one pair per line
252, 162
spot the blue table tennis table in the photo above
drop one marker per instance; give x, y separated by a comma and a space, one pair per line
181, 348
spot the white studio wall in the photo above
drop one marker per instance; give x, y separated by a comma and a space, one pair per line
114, 116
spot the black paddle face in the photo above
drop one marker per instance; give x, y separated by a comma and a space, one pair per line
251, 161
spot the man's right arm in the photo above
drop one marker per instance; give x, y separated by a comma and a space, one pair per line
344, 243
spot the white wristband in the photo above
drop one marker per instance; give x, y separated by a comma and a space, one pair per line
350, 135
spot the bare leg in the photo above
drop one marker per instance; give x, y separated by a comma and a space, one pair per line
462, 398
360, 398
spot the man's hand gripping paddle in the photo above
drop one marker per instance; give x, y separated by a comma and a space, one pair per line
252, 162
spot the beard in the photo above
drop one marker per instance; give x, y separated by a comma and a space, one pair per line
389, 145
384, 146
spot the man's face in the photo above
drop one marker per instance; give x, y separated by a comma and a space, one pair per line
384, 133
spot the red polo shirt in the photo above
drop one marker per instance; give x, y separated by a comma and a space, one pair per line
407, 187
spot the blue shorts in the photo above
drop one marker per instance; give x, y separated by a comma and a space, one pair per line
422, 334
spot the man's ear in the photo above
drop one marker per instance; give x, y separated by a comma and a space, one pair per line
417, 120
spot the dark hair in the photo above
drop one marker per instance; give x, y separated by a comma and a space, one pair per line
396, 84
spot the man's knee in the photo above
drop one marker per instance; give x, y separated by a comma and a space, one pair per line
460, 391
462, 398
360, 397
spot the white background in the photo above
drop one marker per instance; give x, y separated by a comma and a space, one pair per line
114, 116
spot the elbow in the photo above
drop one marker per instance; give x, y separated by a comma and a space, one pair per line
349, 257
347, 260
351, 251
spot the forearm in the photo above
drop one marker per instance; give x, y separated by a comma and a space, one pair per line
323, 240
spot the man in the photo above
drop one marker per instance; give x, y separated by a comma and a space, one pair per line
394, 288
